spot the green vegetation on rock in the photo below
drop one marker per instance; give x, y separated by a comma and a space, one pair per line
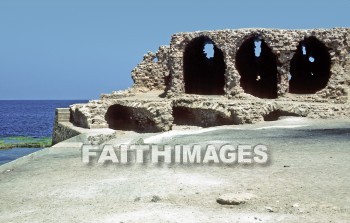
25, 142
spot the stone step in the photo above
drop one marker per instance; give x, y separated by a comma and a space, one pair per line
63, 114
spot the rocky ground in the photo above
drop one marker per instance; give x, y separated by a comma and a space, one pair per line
306, 179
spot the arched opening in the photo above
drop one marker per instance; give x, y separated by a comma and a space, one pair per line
199, 117
277, 114
310, 67
257, 66
203, 67
120, 117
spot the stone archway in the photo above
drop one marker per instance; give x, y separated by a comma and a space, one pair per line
203, 74
309, 67
257, 66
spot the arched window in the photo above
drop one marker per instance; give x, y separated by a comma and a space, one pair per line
309, 67
257, 66
203, 67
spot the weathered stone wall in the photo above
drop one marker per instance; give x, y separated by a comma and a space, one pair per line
215, 110
283, 43
152, 73
92, 115
62, 132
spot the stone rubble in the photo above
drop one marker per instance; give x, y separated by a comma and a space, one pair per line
235, 198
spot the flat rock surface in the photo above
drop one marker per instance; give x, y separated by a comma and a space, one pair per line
306, 180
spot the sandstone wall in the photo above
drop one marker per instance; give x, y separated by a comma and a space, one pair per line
152, 72
93, 114
283, 43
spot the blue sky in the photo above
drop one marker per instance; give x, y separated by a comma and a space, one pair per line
77, 49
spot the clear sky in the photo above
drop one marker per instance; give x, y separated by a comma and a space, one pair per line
77, 49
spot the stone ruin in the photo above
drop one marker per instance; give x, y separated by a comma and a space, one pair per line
253, 75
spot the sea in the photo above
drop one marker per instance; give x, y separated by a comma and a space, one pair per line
28, 118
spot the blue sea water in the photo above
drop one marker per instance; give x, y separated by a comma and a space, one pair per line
28, 118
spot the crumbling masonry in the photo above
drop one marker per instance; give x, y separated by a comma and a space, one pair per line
296, 73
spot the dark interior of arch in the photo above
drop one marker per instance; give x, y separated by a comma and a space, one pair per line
119, 117
199, 117
277, 114
258, 73
308, 77
203, 75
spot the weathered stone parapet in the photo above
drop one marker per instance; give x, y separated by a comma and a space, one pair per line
144, 115
61, 131
216, 111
